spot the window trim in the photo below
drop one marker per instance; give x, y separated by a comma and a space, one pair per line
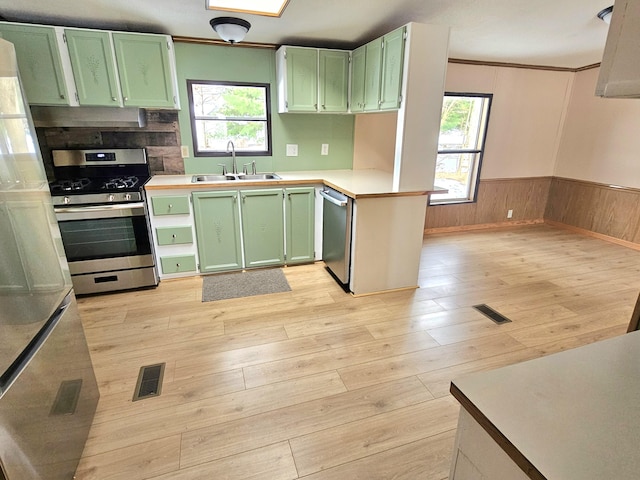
476, 151
240, 153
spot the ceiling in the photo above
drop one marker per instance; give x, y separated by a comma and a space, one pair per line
550, 33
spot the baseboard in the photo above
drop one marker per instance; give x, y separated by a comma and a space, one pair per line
483, 226
589, 233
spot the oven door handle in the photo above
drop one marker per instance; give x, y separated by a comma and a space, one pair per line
100, 211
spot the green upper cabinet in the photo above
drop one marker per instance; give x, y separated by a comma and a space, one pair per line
302, 79
333, 80
373, 64
392, 65
381, 73
39, 62
145, 69
300, 224
218, 230
312, 80
263, 227
93, 65
358, 79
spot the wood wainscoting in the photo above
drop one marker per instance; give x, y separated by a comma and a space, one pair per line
526, 196
606, 210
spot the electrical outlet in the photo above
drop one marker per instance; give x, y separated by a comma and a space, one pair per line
325, 149
184, 150
509, 213
292, 150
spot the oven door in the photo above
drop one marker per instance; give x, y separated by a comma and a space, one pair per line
99, 239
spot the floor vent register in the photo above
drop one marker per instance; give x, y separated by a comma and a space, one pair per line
491, 313
149, 382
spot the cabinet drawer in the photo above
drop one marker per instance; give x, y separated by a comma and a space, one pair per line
174, 235
170, 205
178, 264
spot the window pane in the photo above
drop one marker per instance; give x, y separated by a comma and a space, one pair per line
213, 135
456, 173
229, 101
461, 124
222, 112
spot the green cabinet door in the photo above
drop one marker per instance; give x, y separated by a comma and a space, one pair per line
145, 70
392, 65
93, 66
334, 80
358, 79
262, 227
39, 63
217, 230
302, 79
373, 67
33, 259
300, 221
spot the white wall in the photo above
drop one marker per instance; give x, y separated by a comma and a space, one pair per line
524, 130
526, 116
601, 137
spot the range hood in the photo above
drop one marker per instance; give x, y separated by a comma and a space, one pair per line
99, 117
620, 67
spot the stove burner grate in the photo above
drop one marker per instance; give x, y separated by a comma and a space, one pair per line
120, 183
74, 184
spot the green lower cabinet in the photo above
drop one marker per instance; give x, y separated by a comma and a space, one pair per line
217, 230
178, 235
177, 264
300, 221
263, 227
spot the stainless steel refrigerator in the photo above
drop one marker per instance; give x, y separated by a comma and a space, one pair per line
48, 391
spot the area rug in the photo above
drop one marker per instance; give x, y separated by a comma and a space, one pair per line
243, 284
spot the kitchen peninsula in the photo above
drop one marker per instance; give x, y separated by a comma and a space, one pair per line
387, 224
573, 415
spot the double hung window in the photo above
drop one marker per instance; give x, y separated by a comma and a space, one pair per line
463, 130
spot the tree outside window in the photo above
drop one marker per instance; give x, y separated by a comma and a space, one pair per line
463, 128
223, 111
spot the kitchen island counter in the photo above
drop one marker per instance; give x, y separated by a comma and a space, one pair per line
573, 415
353, 183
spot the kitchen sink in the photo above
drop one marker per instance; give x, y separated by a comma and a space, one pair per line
233, 177
212, 178
258, 176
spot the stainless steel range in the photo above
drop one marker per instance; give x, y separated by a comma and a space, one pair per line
98, 199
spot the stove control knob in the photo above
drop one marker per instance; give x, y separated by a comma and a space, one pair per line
111, 198
127, 196
66, 200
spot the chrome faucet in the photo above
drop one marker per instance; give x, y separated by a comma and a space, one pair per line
234, 165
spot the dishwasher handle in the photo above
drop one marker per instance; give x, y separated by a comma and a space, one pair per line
332, 197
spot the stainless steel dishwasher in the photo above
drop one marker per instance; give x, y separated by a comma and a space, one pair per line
336, 233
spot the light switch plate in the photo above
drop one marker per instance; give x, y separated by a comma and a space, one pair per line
184, 150
325, 149
292, 150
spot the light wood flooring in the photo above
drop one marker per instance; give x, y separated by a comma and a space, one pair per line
317, 384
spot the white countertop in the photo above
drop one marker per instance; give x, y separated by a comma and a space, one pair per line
573, 415
354, 183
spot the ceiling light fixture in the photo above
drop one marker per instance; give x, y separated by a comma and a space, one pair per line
230, 29
605, 14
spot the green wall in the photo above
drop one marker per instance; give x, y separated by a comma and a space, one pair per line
309, 131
